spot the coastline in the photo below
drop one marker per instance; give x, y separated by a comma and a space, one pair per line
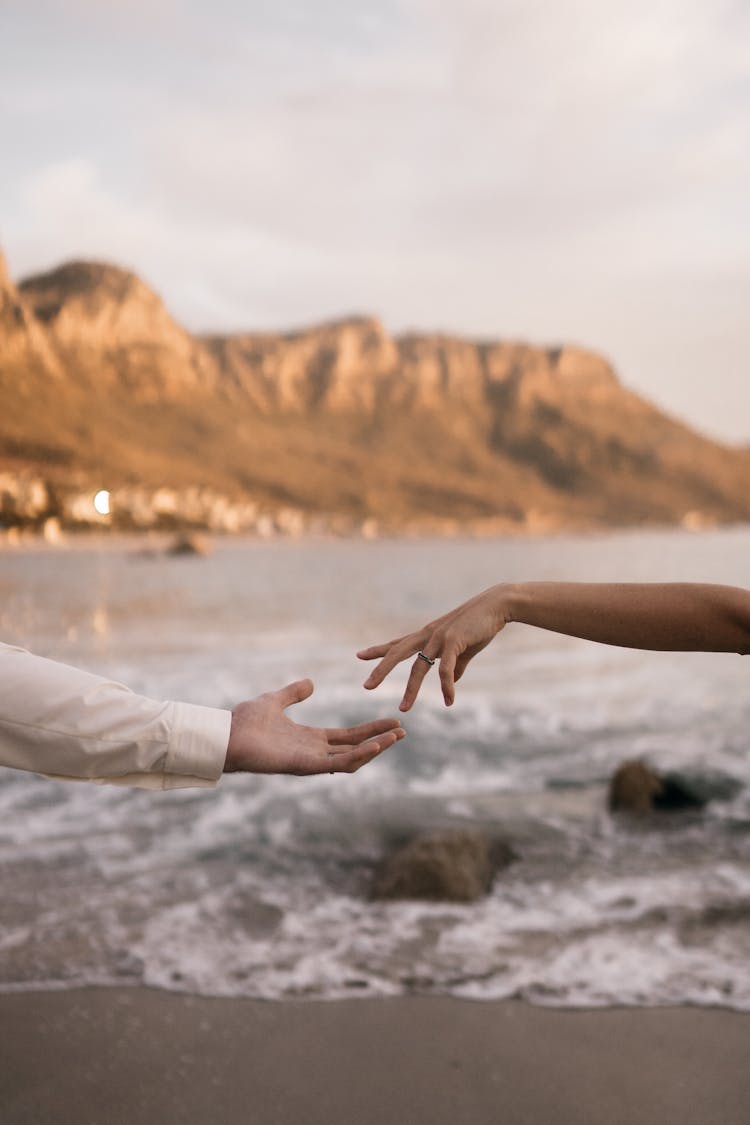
18, 541
137, 1056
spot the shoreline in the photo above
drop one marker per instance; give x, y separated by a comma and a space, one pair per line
16, 541
133, 1056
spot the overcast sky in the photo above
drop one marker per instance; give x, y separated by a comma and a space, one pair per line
550, 170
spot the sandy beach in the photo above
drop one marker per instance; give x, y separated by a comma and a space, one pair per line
136, 1057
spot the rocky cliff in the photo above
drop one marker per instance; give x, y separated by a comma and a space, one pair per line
341, 419
108, 328
25, 349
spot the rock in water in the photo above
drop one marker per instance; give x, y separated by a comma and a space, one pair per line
189, 545
637, 788
455, 866
633, 788
687, 789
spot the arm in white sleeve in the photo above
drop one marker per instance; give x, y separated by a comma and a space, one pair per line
66, 723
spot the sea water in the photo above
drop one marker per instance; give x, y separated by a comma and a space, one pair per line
261, 886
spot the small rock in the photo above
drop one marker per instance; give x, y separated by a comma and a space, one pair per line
451, 866
189, 545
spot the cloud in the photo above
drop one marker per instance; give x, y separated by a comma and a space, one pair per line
212, 275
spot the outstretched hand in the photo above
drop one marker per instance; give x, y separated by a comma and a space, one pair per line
453, 639
264, 740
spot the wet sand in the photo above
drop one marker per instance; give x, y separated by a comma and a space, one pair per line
134, 1056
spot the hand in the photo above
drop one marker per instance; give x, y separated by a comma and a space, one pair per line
454, 639
263, 740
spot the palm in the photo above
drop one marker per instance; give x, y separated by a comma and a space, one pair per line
265, 740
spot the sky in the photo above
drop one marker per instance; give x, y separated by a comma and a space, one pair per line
543, 170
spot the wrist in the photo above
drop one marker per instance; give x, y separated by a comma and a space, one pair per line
230, 761
512, 602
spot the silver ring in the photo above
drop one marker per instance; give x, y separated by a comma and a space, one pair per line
423, 656
330, 758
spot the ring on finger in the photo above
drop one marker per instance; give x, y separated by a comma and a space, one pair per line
330, 761
427, 659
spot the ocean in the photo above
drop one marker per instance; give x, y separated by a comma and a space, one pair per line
261, 887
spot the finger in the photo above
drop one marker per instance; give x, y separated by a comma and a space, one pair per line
352, 736
294, 693
419, 670
447, 676
375, 650
401, 651
351, 758
335, 755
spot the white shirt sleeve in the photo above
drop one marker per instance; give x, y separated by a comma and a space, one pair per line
66, 723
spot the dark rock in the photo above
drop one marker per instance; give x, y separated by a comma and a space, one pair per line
700, 788
185, 545
451, 866
637, 788
633, 788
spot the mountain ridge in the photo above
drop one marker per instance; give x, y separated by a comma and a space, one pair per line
100, 382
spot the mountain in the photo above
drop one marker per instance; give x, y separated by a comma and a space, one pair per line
100, 384
26, 352
112, 330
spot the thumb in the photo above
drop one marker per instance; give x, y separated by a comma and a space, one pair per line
294, 693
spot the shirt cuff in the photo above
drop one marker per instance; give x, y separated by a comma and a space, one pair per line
198, 742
